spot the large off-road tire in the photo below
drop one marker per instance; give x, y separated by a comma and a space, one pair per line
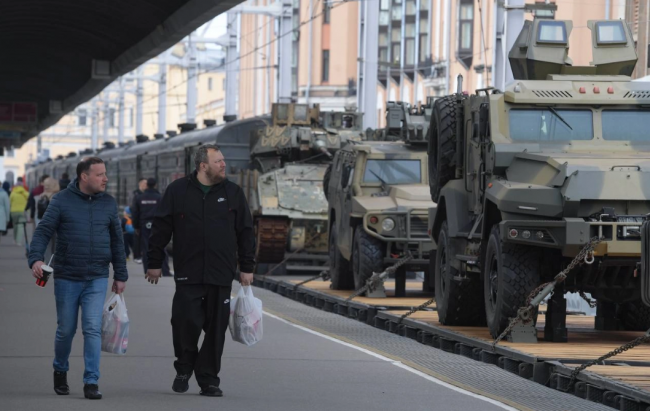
458, 302
442, 144
326, 181
511, 272
340, 272
634, 316
367, 257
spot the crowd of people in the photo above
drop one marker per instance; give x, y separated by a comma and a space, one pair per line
79, 224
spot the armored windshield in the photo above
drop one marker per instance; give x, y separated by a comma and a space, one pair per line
626, 125
547, 125
392, 172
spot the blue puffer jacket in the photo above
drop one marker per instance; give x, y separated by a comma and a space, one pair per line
88, 236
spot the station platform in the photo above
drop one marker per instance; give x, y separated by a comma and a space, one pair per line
293, 368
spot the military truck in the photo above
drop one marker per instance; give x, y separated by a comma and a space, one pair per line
285, 190
378, 199
525, 178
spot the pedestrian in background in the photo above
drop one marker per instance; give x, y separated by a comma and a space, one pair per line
143, 211
128, 230
64, 181
50, 188
87, 225
137, 253
6, 186
18, 200
5, 212
31, 201
213, 233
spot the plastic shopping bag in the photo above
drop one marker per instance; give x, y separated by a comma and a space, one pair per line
115, 325
246, 317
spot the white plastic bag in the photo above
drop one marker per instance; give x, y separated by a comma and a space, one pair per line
115, 325
246, 317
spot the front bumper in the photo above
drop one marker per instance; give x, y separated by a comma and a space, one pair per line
571, 234
414, 239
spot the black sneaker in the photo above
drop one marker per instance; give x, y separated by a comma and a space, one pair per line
91, 391
61, 383
181, 383
211, 391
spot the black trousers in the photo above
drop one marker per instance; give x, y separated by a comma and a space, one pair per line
144, 246
196, 308
136, 246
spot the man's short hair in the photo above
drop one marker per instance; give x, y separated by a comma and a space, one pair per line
19, 179
201, 155
43, 177
151, 182
85, 163
141, 179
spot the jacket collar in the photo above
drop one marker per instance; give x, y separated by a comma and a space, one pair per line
74, 187
195, 181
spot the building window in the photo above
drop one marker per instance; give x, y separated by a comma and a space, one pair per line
326, 12
10, 152
210, 83
83, 116
130, 117
466, 32
224, 84
326, 66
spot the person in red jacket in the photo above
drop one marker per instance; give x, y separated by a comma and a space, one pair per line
213, 234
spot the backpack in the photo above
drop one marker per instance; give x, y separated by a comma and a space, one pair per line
41, 206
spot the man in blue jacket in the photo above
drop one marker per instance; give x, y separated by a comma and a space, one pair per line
89, 238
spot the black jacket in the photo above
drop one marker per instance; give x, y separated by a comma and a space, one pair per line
212, 232
144, 207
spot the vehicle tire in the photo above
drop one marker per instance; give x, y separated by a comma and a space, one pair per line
442, 144
340, 272
367, 257
326, 180
510, 272
458, 302
634, 316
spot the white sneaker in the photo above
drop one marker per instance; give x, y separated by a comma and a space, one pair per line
138, 260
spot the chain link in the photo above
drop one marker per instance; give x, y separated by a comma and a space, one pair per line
325, 275
376, 279
592, 303
415, 309
627, 346
526, 312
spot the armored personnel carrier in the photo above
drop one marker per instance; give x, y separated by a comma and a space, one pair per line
290, 157
526, 178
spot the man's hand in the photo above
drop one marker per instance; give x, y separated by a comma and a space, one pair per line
118, 287
246, 278
37, 272
153, 275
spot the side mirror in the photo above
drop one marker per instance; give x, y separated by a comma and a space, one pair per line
484, 120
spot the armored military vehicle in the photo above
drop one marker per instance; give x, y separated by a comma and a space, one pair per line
290, 157
377, 205
524, 179
405, 122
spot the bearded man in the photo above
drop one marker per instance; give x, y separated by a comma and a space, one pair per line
212, 227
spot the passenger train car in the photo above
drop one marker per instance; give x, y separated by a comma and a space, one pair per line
165, 159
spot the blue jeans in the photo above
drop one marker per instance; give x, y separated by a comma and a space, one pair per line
69, 296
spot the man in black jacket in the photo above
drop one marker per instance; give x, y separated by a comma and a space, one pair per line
143, 211
213, 233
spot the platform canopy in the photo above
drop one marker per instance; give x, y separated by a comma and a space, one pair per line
59, 54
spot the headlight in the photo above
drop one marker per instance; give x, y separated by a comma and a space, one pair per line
388, 224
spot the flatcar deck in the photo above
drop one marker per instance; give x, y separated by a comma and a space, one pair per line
622, 382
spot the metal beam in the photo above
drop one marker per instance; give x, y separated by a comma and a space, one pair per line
120, 110
367, 73
232, 65
192, 74
162, 94
285, 49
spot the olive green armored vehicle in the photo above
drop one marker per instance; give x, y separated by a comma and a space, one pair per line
524, 178
285, 190
378, 200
